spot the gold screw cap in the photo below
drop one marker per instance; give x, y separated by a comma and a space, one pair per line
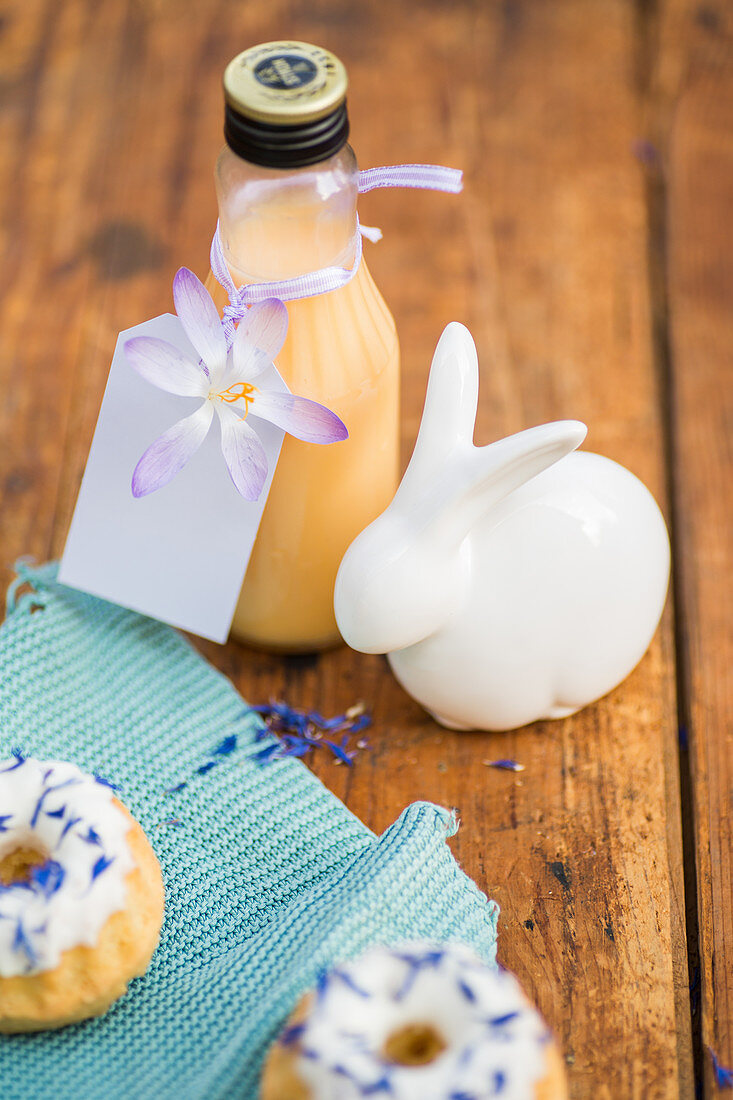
285, 83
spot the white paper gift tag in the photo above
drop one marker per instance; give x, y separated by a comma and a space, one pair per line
179, 554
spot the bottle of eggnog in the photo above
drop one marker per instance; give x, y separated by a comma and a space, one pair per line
287, 187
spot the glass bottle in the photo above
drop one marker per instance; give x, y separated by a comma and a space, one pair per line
287, 186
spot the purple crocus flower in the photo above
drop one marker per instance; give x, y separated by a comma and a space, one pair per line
225, 383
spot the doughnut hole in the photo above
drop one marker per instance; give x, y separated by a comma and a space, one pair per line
414, 1045
17, 864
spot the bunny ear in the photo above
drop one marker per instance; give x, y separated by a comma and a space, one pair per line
449, 414
499, 468
482, 476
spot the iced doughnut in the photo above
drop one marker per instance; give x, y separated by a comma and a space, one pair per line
418, 1022
81, 895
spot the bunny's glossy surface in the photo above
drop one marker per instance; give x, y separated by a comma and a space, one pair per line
507, 583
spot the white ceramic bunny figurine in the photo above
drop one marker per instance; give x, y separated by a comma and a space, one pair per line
510, 582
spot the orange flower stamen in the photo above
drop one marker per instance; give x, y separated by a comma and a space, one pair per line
240, 391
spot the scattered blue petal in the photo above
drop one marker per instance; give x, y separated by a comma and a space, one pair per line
327, 724
465, 1056
92, 836
297, 748
101, 865
466, 990
415, 964
645, 152
19, 761
301, 730
345, 977
22, 943
47, 791
382, 1085
295, 732
37, 808
723, 1075
291, 1034
500, 1021
506, 765
69, 825
266, 754
205, 768
340, 753
48, 878
321, 985
3, 818
227, 746
106, 783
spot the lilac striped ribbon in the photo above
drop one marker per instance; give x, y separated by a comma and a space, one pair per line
429, 177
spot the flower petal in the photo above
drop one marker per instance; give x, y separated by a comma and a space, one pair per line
171, 451
299, 416
245, 363
200, 319
265, 325
243, 453
164, 366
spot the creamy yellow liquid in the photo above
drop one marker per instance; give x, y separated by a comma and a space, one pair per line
341, 350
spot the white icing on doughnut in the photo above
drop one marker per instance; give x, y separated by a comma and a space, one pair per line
54, 807
494, 1040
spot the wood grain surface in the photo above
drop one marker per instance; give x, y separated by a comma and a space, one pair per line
590, 255
696, 94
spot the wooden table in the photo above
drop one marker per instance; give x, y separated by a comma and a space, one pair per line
591, 254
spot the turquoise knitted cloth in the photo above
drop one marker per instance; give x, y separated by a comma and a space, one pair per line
269, 878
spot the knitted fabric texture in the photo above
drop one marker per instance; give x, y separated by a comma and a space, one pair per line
269, 878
